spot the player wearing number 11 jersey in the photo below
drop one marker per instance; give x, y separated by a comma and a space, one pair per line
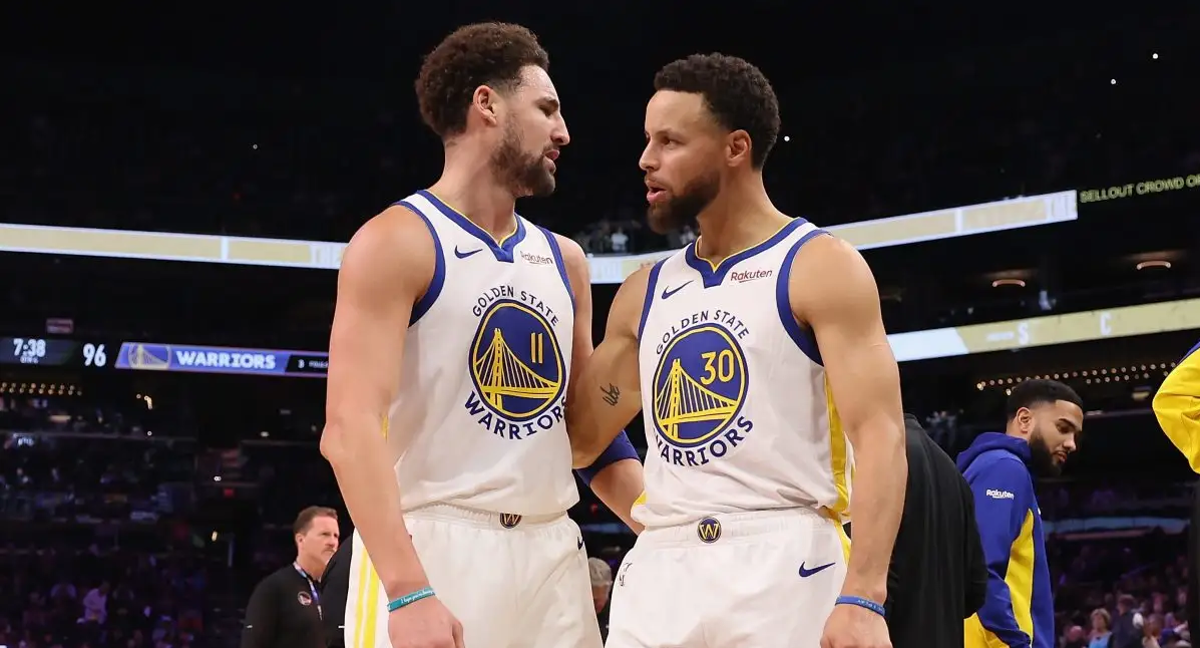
450, 360
759, 360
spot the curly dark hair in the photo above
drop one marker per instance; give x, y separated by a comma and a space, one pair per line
735, 92
489, 53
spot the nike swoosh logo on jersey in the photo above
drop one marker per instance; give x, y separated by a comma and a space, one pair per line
463, 255
667, 292
580, 544
805, 573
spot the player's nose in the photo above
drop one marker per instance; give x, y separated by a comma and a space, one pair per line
648, 161
561, 136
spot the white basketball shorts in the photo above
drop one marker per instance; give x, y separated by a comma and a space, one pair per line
751, 580
512, 582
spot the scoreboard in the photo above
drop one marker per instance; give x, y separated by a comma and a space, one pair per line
146, 356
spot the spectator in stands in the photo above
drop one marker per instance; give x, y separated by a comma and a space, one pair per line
1101, 629
95, 605
620, 241
1127, 628
602, 580
285, 608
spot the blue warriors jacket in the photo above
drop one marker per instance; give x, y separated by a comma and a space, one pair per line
1177, 407
1018, 611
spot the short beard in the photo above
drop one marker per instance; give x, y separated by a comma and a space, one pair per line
521, 173
684, 207
1043, 460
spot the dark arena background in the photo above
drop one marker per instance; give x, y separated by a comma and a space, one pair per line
180, 180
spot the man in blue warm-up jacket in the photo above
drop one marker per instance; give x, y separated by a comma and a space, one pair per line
1044, 417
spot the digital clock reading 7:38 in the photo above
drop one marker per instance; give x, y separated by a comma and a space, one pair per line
29, 350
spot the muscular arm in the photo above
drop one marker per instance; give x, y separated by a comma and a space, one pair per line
842, 310
385, 270
619, 483
607, 394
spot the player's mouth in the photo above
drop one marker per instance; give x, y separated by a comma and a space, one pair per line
551, 156
654, 193
1060, 457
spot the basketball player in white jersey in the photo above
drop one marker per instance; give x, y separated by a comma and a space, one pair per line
759, 358
452, 345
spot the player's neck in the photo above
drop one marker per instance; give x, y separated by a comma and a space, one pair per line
311, 566
469, 186
740, 217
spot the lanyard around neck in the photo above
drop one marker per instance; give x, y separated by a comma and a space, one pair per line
312, 588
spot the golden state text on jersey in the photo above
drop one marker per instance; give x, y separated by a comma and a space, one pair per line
699, 386
516, 364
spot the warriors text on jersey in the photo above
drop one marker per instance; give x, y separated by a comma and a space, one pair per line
737, 409
486, 361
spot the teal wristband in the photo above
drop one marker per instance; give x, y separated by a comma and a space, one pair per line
409, 599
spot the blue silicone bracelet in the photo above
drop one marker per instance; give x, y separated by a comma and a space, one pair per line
409, 599
862, 603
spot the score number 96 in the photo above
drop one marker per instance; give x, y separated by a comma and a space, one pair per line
94, 355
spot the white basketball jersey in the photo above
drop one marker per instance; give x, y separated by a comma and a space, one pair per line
737, 410
480, 415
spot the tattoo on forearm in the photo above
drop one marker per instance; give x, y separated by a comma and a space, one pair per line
612, 394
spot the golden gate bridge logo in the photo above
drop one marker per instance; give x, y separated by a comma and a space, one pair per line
699, 385
515, 361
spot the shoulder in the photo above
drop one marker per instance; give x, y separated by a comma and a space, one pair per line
836, 262
996, 468
397, 225
633, 289
396, 244
575, 261
828, 274
625, 313
572, 252
272, 582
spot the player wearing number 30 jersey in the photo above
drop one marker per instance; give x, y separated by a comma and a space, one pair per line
760, 362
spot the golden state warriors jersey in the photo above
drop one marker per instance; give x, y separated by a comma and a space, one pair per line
484, 381
737, 409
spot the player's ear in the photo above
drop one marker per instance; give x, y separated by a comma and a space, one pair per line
737, 148
1025, 419
484, 101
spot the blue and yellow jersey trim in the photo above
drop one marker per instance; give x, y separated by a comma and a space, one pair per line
713, 274
839, 465
367, 594
367, 604
502, 247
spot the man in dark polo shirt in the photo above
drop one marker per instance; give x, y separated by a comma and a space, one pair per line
938, 576
335, 589
285, 609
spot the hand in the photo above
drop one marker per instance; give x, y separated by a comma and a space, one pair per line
851, 626
424, 624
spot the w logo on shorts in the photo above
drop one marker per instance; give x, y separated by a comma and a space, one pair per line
709, 530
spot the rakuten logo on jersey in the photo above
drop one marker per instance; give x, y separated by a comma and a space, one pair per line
999, 494
537, 259
742, 276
